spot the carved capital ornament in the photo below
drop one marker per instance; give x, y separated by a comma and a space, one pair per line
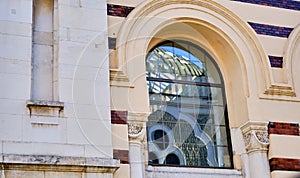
137, 126
256, 137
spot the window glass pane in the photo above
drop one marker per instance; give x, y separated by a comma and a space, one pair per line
187, 125
213, 75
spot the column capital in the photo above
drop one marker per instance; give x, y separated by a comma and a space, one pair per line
137, 126
256, 137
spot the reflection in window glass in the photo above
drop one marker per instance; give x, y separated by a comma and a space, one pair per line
188, 125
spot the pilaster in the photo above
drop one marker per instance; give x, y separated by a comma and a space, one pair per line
137, 135
256, 139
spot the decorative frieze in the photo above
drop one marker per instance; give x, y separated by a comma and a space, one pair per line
256, 137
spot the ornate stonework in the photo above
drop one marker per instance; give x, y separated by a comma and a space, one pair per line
247, 138
262, 136
134, 129
256, 137
136, 126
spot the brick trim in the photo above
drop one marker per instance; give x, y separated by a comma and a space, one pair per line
292, 5
276, 61
284, 164
271, 30
283, 128
118, 10
118, 117
122, 155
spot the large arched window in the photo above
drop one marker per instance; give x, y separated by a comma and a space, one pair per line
188, 125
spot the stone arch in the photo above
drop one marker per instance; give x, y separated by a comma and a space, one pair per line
291, 60
227, 38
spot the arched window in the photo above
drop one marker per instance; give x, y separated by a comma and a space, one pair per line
188, 125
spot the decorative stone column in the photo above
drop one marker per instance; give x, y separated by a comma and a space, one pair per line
137, 135
256, 139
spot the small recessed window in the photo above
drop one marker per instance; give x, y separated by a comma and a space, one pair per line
188, 124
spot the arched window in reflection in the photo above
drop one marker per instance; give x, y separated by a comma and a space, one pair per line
188, 125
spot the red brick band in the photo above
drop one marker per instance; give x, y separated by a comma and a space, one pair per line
283, 128
122, 155
118, 117
118, 10
284, 164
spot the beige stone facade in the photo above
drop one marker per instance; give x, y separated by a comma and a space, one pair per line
74, 97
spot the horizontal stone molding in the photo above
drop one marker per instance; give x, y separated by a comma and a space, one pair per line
119, 75
44, 103
59, 163
284, 164
159, 171
283, 128
280, 91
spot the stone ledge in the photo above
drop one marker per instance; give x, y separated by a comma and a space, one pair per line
44, 103
188, 171
59, 163
43, 108
280, 91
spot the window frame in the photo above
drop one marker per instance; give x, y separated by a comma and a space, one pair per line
220, 85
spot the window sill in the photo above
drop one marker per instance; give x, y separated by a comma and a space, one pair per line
45, 112
44, 103
163, 171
